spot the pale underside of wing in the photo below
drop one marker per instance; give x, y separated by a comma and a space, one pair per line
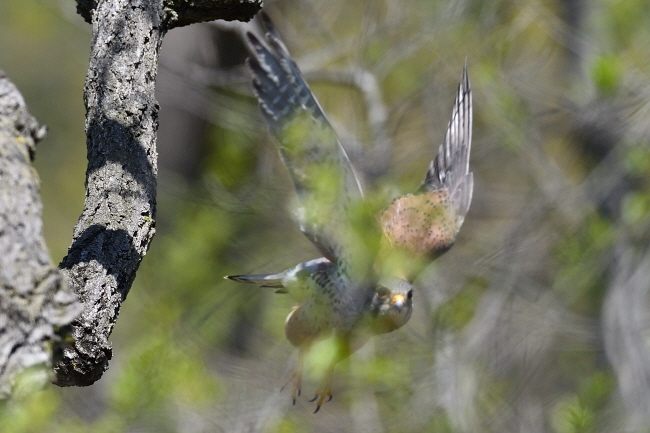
319, 166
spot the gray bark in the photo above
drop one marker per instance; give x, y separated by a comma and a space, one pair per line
117, 224
179, 13
118, 221
35, 303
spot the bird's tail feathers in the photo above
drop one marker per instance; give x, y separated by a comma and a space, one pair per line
273, 281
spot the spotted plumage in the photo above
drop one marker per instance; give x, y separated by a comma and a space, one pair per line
421, 223
347, 294
424, 225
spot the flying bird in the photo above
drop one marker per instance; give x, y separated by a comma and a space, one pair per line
353, 291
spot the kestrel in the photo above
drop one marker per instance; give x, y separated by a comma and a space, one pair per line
351, 292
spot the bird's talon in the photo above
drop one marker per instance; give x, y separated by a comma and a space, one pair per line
317, 409
313, 400
330, 399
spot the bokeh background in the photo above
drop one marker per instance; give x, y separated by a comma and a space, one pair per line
536, 321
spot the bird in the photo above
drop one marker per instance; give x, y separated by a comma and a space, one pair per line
324, 312
355, 290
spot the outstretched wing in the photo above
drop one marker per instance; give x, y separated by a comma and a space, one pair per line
450, 169
319, 166
426, 223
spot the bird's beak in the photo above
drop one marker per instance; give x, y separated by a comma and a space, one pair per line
398, 301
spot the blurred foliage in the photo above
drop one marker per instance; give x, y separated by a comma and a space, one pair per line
507, 334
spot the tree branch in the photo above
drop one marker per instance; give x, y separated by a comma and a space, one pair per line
180, 13
374, 163
35, 303
118, 219
117, 224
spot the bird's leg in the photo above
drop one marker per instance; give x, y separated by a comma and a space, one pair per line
296, 378
324, 390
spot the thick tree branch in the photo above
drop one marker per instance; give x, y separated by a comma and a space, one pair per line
117, 223
118, 220
35, 303
184, 12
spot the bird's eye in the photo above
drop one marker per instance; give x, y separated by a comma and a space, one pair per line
409, 295
383, 292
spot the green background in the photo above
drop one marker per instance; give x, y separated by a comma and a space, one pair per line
507, 330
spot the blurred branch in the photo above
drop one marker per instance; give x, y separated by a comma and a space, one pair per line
178, 13
625, 327
373, 164
35, 303
376, 161
601, 130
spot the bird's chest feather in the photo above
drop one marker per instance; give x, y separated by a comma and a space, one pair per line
329, 304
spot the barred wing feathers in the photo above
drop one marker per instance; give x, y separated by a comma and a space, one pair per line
425, 224
319, 166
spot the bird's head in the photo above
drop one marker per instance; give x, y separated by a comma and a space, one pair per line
391, 305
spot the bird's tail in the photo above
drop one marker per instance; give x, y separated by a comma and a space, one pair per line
292, 276
273, 281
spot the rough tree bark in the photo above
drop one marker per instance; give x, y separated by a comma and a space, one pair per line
117, 224
184, 12
35, 302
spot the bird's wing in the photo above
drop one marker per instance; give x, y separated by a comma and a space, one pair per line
450, 169
319, 166
426, 223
